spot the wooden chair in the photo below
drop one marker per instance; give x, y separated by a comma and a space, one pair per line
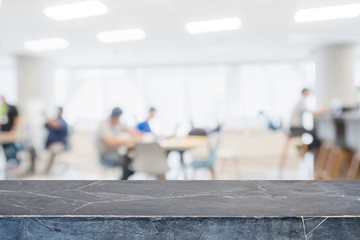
320, 163
354, 167
331, 162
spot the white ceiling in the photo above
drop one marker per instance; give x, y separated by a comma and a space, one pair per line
268, 31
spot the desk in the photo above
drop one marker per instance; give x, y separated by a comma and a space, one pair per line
182, 144
341, 130
326, 128
179, 210
6, 138
352, 139
352, 132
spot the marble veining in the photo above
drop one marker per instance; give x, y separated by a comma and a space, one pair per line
179, 198
180, 210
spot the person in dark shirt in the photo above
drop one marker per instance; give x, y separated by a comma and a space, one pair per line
56, 141
144, 126
9, 117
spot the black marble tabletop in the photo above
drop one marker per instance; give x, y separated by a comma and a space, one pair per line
180, 198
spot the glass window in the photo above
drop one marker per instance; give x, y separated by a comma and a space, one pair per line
204, 94
204, 91
120, 91
84, 102
163, 89
8, 84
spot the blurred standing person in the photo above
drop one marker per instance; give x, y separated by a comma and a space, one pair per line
296, 119
111, 136
144, 126
57, 139
9, 119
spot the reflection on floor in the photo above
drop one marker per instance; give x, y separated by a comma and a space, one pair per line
241, 156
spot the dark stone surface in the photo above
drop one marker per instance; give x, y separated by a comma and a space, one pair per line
146, 228
180, 210
332, 228
180, 198
178, 228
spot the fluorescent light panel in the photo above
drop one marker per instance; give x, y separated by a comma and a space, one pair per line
46, 44
121, 35
327, 13
217, 25
76, 10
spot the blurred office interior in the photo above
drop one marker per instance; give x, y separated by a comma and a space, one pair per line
238, 78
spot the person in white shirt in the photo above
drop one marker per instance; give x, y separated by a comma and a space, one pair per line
296, 119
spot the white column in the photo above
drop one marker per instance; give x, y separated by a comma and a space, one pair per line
35, 81
35, 95
335, 70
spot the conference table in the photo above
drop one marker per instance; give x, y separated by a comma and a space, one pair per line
181, 145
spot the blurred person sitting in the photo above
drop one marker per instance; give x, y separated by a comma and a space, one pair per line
9, 118
144, 126
57, 139
111, 136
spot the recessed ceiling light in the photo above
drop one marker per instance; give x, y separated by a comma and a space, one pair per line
121, 35
46, 44
225, 24
76, 10
327, 13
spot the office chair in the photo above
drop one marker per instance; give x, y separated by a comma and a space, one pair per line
151, 159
